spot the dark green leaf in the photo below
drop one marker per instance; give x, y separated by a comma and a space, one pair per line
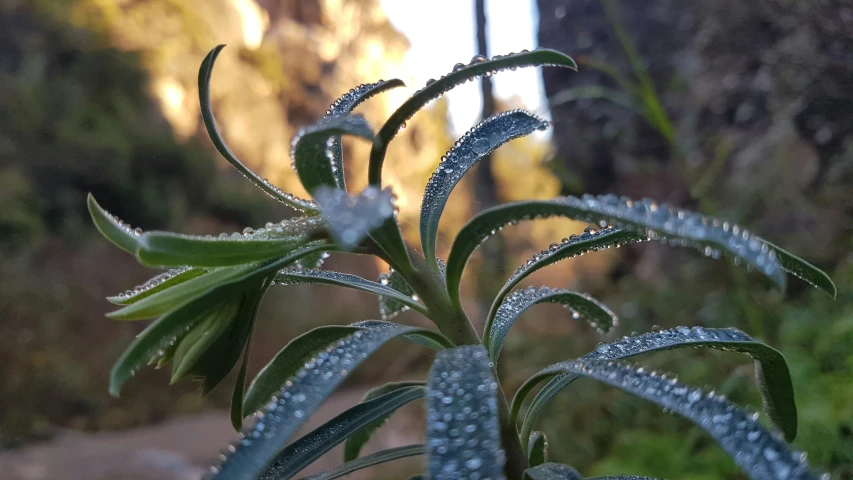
172, 249
357, 440
572, 246
157, 284
537, 449
461, 382
300, 397
758, 452
804, 270
391, 306
304, 451
350, 218
369, 461
202, 336
645, 217
345, 105
117, 232
459, 76
422, 336
204, 75
389, 240
581, 305
479, 142
552, 471
771, 370
312, 157
295, 277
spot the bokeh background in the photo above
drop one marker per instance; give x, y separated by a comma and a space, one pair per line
739, 109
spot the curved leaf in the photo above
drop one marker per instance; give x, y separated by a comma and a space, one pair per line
202, 336
344, 105
477, 143
369, 461
357, 440
804, 270
771, 370
390, 306
296, 277
537, 449
581, 305
302, 452
422, 336
204, 75
758, 452
159, 283
300, 397
463, 432
350, 218
112, 228
461, 74
572, 246
657, 221
173, 249
311, 152
552, 471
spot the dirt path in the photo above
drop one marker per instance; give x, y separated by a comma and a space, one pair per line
182, 448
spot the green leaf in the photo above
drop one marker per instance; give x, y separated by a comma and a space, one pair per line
462, 380
301, 396
172, 249
165, 300
117, 232
804, 270
350, 218
391, 306
581, 305
312, 157
356, 440
389, 240
157, 284
572, 246
758, 452
304, 451
771, 370
422, 336
369, 461
202, 336
644, 217
552, 471
477, 143
328, 277
345, 105
204, 75
459, 76
537, 449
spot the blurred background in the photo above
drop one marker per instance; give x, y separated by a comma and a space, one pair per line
742, 110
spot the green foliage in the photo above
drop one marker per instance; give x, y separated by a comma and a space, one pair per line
472, 432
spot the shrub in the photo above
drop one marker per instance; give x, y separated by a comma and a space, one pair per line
207, 305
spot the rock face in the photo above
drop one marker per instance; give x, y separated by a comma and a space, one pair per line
755, 94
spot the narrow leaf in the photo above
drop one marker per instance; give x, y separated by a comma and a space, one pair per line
350, 218
159, 283
479, 142
537, 449
422, 336
552, 471
357, 440
328, 277
645, 217
202, 336
463, 432
369, 461
761, 454
581, 305
572, 246
391, 306
312, 154
771, 370
204, 75
345, 105
300, 397
172, 249
112, 228
804, 270
304, 451
461, 74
